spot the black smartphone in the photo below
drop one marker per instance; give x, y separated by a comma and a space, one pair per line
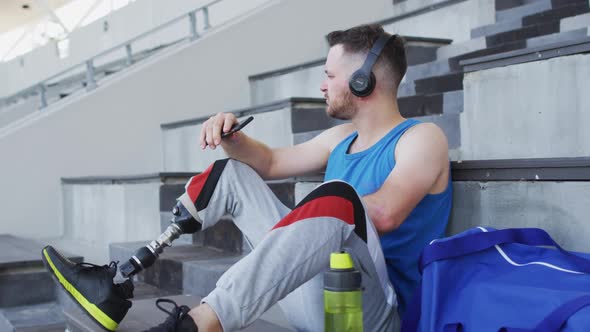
237, 127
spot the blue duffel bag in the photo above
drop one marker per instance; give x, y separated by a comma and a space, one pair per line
487, 280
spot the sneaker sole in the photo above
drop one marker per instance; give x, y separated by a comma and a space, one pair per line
93, 311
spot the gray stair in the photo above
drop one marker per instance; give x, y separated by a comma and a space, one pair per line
474, 44
431, 104
167, 272
23, 278
29, 298
561, 9
138, 208
524, 10
201, 276
557, 37
575, 22
523, 33
278, 124
547, 193
304, 79
144, 314
556, 103
435, 68
46, 317
438, 84
495, 28
507, 4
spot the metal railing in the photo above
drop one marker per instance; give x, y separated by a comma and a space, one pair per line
90, 70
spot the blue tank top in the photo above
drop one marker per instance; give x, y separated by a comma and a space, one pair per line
366, 171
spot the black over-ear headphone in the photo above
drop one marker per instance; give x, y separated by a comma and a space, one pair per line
362, 82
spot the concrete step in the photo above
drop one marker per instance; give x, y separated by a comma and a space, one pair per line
523, 33
435, 68
46, 317
557, 37
144, 314
507, 4
406, 89
498, 27
304, 79
168, 272
575, 22
433, 104
277, 124
506, 47
23, 278
421, 50
200, 277
438, 84
556, 99
112, 209
299, 80
224, 235
474, 44
545, 193
571, 8
450, 124
513, 13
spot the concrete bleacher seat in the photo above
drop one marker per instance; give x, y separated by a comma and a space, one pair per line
548, 193
507, 117
280, 123
29, 298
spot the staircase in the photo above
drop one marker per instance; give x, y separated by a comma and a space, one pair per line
29, 298
498, 97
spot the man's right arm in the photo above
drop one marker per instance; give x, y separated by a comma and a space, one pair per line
305, 158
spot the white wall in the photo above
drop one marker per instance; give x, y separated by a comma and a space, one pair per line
124, 24
115, 128
530, 110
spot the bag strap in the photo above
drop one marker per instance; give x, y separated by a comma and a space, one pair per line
556, 319
559, 316
476, 242
413, 312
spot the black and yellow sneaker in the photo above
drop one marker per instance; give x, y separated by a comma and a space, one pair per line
92, 287
177, 321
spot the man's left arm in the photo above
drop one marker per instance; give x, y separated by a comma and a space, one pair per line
421, 157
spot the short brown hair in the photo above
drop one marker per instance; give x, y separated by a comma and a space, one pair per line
360, 39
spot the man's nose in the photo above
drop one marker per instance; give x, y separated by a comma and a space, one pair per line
324, 86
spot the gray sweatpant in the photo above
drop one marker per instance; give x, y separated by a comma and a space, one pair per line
291, 249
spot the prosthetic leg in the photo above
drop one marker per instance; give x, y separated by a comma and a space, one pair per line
144, 257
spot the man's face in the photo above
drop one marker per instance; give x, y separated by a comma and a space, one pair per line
341, 102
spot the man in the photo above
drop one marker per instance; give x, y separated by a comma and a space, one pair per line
387, 194
420, 176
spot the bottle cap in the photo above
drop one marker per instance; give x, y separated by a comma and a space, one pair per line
342, 276
341, 261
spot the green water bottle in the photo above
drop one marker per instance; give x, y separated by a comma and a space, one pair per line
342, 295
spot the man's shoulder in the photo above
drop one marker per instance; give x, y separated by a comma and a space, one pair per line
423, 130
424, 136
333, 136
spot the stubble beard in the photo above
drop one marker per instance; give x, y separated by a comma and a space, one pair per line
343, 110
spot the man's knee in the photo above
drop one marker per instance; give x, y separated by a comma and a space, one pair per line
336, 199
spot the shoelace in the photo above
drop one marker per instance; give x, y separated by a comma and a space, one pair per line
177, 312
175, 316
124, 289
90, 266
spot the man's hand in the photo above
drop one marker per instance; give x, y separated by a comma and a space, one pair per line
213, 127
